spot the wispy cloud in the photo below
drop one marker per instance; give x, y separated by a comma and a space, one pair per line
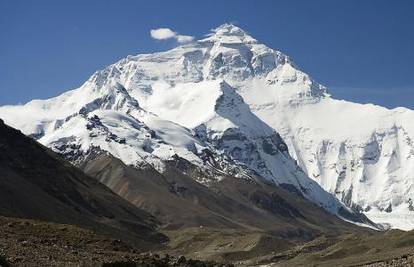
184, 38
166, 33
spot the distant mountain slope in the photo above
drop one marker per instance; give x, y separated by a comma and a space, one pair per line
35, 183
180, 202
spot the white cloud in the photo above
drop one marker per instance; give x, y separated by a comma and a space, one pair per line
166, 33
163, 33
184, 38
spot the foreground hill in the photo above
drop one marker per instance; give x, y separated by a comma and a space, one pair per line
35, 183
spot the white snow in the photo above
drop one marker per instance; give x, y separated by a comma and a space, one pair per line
188, 104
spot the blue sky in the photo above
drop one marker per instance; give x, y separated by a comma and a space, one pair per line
362, 50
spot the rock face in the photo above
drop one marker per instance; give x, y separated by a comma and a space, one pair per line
233, 106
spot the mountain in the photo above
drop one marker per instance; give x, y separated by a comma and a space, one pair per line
36, 184
229, 106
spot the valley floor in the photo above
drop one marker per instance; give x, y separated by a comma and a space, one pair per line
34, 243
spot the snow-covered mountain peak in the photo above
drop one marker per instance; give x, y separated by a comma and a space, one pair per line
247, 104
229, 34
229, 54
112, 95
234, 55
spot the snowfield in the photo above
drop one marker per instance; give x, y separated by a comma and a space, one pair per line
248, 106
